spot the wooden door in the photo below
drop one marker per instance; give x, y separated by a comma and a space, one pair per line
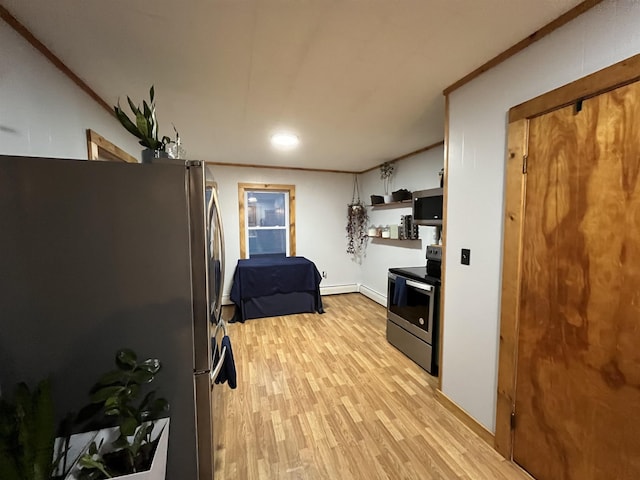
578, 364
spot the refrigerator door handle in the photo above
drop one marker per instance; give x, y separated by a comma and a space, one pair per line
214, 206
216, 371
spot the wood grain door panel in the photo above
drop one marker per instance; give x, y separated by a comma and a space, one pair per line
578, 373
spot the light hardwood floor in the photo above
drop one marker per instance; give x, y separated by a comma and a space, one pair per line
326, 397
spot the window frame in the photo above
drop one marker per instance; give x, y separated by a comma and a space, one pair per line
243, 188
99, 148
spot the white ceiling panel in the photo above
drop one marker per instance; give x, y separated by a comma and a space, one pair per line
360, 81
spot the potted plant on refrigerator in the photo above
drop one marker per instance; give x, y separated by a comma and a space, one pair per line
136, 447
145, 127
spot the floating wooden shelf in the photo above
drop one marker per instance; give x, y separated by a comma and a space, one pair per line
395, 239
403, 203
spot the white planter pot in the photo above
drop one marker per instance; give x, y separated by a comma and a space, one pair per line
388, 198
79, 444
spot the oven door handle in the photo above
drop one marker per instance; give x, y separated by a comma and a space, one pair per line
412, 283
419, 286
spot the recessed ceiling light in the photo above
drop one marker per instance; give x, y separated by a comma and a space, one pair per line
285, 140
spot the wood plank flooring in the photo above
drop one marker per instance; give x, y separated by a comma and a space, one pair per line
326, 397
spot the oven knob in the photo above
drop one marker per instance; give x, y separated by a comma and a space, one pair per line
421, 321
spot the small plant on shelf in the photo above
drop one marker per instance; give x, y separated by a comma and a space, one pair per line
386, 172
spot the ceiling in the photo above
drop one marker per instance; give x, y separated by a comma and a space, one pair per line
359, 81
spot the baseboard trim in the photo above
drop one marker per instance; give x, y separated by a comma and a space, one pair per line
338, 289
373, 295
465, 418
328, 290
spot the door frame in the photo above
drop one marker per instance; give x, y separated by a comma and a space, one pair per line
607, 79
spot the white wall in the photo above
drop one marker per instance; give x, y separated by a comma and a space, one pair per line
321, 216
42, 112
414, 173
478, 118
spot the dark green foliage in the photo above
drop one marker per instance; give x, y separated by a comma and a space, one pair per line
145, 126
27, 434
115, 396
357, 220
386, 171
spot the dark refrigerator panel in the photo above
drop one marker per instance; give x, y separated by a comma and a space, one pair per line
95, 256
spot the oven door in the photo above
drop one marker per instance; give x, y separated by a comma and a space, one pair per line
412, 309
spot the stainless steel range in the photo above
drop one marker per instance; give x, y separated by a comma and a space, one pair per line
413, 309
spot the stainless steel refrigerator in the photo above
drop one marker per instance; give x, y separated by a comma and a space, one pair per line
97, 256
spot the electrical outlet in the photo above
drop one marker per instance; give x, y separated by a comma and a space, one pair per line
465, 256
324, 274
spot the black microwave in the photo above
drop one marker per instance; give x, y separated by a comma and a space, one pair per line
427, 207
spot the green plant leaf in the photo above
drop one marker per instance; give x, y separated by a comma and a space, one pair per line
133, 391
27, 433
88, 461
112, 377
141, 376
112, 402
126, 359
134, 108
143, 125
147, 110
103, 394
128, 426
140, 437
126, 122
152, 365
43, 431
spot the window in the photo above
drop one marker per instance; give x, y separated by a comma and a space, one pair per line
267, 220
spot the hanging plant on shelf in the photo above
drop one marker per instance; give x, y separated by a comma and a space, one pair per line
386, 172
357, 222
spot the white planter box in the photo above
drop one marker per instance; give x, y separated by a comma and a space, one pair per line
80, 442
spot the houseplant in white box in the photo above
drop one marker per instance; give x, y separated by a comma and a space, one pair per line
136, 447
